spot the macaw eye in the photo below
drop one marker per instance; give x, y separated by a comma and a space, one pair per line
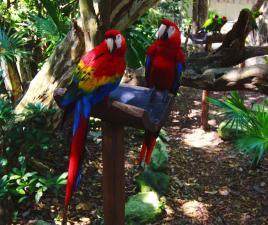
171, 31
118, 40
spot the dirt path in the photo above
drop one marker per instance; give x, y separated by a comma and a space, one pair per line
210, 183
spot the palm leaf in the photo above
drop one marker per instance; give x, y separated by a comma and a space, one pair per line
254, 121
234, 110
11, 45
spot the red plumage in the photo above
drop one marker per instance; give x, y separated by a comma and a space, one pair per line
165, 54
98, 73
78, 141
162, 72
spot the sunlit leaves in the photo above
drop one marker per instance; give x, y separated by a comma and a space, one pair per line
253, 120
11, 45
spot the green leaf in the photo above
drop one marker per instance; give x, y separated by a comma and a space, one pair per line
20, 191
14, 177
38, 195
22, 199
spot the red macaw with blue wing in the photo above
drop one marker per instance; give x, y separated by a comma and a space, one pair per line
98, 73
164, 64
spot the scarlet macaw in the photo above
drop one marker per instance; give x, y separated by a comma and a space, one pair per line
98, 73
164, 63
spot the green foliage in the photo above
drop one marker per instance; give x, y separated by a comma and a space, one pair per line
11, 45
23, 137
159, 159
150, 180
177, 10
253, 121
143, 208
42, 24
226, 132
212, 13
23, 185
140, 36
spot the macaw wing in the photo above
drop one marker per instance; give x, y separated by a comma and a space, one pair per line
148, 63
73, 92
207, 23
104, 90
176, 84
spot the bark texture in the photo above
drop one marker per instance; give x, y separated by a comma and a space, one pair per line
200, 13
62, 62
12, 79
253, 78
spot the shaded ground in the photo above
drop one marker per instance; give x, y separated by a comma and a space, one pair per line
210, 182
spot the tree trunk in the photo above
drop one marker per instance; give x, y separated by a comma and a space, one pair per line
200, 13
257, 5
12, 79
62, 61
89, 23
25, 71
262, 33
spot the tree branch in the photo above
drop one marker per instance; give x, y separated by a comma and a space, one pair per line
89, 22
253, 78
257, 5
250, 52
129, 12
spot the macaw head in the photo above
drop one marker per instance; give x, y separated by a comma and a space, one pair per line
115, 41
168, 31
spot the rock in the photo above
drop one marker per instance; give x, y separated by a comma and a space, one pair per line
84, 219
224, 191
83, 206
143, 208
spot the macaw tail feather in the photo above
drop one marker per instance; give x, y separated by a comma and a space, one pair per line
150, 149
147, 147
74, 170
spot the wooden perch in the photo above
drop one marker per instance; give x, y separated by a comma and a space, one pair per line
132, 106
137, 107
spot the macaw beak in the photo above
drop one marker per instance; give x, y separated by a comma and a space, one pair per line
110, 44
161, 31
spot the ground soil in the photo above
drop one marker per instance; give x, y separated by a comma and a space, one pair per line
211, 183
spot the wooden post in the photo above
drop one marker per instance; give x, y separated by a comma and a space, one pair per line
113, 174
205, 109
